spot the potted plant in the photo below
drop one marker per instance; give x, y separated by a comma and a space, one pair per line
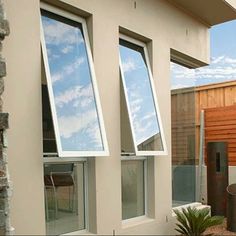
193, 222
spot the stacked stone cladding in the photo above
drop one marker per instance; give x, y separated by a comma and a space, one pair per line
5, 184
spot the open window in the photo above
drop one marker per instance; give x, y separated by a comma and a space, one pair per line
71, 83
140, 99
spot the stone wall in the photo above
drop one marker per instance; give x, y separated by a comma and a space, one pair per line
5, 185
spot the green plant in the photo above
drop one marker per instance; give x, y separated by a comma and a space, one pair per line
193, 222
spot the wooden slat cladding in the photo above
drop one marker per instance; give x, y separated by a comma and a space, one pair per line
218, 101
215, 95
186, 106
183, 126
220, 125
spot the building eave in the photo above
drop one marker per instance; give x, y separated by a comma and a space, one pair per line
211, 12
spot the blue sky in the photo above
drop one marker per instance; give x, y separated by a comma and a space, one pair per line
223, 60
223, 39
72, 87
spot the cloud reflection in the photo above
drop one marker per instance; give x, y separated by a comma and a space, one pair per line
74, 98
222, 68
139, 95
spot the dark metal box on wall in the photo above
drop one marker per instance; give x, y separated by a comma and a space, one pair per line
217, 176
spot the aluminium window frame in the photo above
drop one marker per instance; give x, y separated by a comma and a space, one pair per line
82, 21
83, 161
145, 170
155, 101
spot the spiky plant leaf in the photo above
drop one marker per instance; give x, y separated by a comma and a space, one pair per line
202, 217
194, 222
211, 221
190, 214
182, 219
181, 229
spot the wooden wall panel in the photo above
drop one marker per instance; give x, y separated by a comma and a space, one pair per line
220, 125
183, 126
218, 96
230, 95
189, 102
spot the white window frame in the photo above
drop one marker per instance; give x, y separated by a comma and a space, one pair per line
144, 159
85, 176
61, 153
137, 152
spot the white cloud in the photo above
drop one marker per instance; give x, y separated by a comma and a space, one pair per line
179, 85
221, 69
143, 119
67, 49
70, 125
56, 77
51, 55
81, 96
145, 129
143, 115
67, 70
183, 72
139, 131
149, 116
128, 65
230, 60
85, 125
57, 33
67, 96
135, 109
87, 91
223, 60
217, 59
94, 133
86, 97
135, 104
85, 102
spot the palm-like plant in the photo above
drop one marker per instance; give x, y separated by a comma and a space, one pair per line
194, 222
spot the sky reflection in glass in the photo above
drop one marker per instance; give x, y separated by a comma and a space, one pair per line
140, 98
72, 87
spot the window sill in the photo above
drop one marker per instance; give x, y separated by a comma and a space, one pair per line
80, 232
136, 221
193, 204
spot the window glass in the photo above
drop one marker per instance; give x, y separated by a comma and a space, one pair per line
133, 189
64, 198
183, 131
139, 98
49, 141
71, 88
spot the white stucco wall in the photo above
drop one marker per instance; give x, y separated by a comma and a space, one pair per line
163, 26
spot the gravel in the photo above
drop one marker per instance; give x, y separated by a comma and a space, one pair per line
219, 230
